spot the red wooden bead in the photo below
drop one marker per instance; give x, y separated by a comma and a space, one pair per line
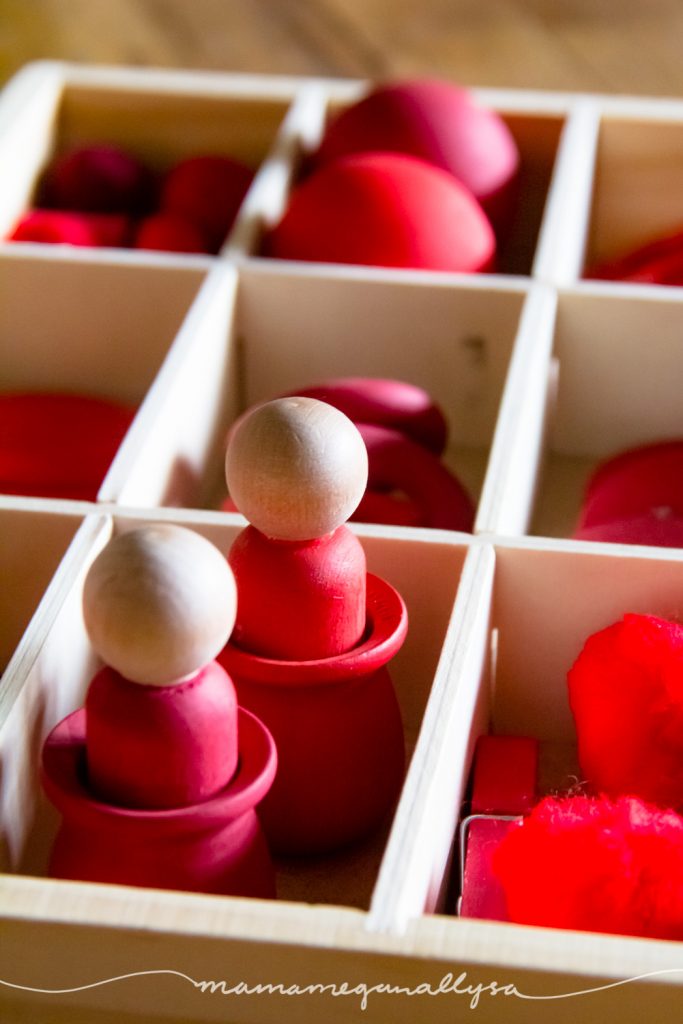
299, 600
207, 190
170, 232
595, 865
440, 123
161, 746
102, 179
626, 695
386, 210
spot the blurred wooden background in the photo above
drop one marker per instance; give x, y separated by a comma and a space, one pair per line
624, 46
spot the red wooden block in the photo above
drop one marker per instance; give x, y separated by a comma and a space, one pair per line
386, 210
504, 775
482, 892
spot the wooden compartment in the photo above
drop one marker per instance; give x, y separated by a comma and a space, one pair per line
161, 117
290, 328
75, 326
613, 385
639, 164
540, 375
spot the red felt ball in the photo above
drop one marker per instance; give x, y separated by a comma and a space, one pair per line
170, 232
595, 865
387, 210
626, 695
640, 481
98, 179
207, 190
437, 122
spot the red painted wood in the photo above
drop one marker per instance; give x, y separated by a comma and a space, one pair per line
504, 775
299, 600
215, 846
337, 726
161, 746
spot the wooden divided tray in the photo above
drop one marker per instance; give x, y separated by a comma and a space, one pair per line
540, 373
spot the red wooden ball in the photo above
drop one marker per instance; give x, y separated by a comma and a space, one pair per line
387, 210
170, 232
102, 179
595, 865
626, 695
437, 122
207, 190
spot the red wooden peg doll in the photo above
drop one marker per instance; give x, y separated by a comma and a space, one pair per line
314, 631
158, 776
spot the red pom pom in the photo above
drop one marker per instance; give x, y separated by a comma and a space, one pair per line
386, 210
626, 695
595, 865
170, 233
99, 179
207, 190
437, 122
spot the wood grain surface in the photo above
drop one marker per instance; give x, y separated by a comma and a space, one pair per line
615, 46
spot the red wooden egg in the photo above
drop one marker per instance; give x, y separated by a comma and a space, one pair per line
437, 122
387, 210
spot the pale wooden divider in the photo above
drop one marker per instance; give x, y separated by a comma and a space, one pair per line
535, 369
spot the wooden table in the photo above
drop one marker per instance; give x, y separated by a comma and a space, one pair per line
621, 46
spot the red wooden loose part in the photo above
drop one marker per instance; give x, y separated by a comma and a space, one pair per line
657, 262
171, 232
299, 600
658, 528
208, 191
161, 746
482, 892
595, 865
98, 179
58, 445
386, 210
504, 775
337, 726
626, 695
645, 481
214, 846
437, 122
387, 403
81, 229
395, 463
